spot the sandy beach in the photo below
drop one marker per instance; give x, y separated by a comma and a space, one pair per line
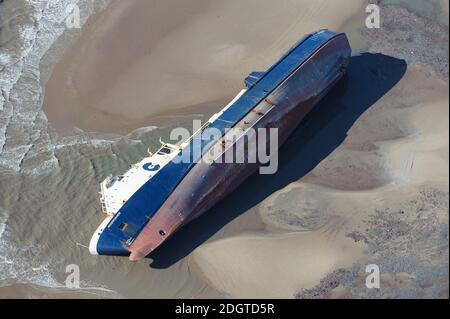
194, 53
364, 180
369, 182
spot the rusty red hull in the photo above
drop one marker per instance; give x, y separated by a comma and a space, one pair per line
206, 184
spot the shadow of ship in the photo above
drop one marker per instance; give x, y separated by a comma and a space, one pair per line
369, 77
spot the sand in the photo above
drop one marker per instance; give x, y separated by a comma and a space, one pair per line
142, 58
273, 266
445, 8
308, 225
363, 181
24, 291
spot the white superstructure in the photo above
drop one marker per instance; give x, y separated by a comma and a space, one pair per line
116, 191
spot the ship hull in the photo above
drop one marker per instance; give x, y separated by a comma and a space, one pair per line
208, 183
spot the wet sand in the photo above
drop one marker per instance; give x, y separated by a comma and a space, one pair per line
139, 59
25, 291
364, 180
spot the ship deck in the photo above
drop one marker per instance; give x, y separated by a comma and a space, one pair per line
146, 201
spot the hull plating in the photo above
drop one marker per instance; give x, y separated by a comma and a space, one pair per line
206, 184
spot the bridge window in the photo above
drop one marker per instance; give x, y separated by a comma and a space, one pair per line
164, 151
126, 229
123, 226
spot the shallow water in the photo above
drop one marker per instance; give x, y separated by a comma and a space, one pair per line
49, 204
52, 216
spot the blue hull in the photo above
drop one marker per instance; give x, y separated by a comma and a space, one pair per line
146, 202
